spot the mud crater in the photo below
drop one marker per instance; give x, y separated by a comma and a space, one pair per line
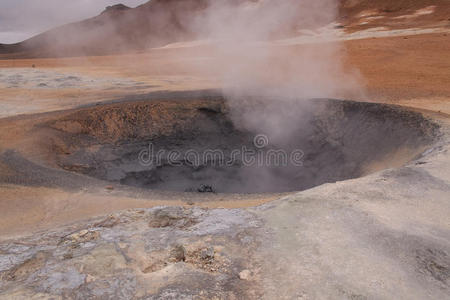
336, 140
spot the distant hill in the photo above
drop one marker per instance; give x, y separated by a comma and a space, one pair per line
159, 22
117, 29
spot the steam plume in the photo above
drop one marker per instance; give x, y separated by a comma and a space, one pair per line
264, 81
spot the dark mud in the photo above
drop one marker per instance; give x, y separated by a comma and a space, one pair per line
194, 146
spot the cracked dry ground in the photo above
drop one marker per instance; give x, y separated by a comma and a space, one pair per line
169, 253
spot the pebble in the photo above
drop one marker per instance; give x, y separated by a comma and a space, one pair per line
245, 275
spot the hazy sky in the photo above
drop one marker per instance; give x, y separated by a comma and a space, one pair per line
21, 19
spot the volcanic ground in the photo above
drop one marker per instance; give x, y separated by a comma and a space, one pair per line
364, 216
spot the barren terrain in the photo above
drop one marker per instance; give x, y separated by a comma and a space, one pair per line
385, 235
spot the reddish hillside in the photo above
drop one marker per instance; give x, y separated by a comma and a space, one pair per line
394, 14
159, 22
117, 29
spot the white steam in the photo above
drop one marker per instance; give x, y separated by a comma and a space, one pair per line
263, 81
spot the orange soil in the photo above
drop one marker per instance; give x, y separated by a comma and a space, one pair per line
411, 70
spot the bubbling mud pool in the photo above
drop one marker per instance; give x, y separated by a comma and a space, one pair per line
194, 146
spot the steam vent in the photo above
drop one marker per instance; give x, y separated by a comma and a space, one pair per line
199, 149
335, 141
